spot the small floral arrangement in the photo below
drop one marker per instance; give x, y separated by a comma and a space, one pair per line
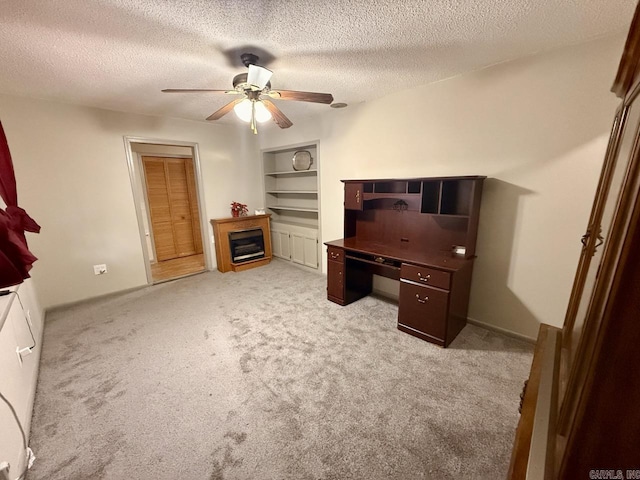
239, 209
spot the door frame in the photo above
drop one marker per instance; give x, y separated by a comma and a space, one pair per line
136, 176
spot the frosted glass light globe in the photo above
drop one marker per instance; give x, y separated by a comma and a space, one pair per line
243, 110
262, 114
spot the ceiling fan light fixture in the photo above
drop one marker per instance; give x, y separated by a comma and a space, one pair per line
262, 114
243, 110
254, 88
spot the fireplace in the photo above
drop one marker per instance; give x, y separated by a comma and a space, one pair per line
246, 245
242, 242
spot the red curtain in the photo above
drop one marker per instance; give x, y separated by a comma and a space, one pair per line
15, 258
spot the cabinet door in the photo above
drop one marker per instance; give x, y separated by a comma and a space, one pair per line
280, 241
311, 252
335, 280
595, 242
276, 245
424, 309
297, 248
353, 196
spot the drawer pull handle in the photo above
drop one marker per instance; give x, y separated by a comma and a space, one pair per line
379, 259
420, 300
335, 255
424, 279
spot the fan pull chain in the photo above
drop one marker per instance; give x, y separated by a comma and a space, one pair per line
254, 124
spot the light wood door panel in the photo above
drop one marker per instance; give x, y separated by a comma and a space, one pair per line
159, 208
173, 207
180, 207
193, 200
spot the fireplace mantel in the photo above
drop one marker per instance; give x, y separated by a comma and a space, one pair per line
221, 229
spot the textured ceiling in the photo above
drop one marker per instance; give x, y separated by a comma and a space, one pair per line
119, 54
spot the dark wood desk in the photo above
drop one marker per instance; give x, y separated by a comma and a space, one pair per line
406, 230
434, 288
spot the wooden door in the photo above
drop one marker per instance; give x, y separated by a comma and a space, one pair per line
173, 207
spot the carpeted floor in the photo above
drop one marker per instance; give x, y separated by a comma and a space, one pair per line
255, 375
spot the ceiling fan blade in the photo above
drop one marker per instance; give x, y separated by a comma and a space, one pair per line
224, 110
197, 90
258, 76
278, 117
302, 96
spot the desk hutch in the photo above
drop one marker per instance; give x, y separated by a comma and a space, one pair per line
420, 231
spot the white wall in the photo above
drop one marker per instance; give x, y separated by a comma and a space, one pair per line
537, 127
73, 179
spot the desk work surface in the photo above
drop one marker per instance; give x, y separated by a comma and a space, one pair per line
440, 260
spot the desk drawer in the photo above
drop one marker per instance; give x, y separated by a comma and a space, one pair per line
335, 254
423, 309
426, 276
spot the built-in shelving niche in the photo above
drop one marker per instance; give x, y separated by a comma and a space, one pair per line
292, 198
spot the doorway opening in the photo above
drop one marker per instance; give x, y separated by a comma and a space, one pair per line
166, 181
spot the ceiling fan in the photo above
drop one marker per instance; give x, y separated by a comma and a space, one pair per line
255, 103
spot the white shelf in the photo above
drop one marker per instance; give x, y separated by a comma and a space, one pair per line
293, 209
291, 172
279, 224
305, 192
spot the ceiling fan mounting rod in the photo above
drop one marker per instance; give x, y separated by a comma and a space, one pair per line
249, 59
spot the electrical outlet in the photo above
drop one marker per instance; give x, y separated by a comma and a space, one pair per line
100, 269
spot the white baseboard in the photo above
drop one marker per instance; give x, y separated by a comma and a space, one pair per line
62, 306
504, 331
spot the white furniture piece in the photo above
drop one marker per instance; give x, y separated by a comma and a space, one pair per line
292, 197
19, 363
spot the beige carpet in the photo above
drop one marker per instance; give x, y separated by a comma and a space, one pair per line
255, 375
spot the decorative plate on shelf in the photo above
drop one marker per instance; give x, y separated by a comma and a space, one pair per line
302, 160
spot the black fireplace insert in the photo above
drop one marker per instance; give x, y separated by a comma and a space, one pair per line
246, 245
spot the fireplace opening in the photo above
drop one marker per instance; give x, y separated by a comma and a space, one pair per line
246, 245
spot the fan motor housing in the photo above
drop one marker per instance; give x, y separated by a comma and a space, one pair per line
240, 83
